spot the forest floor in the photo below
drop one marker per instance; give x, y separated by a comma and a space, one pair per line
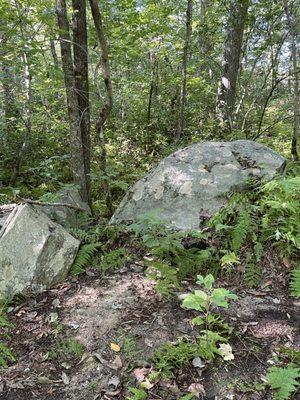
92, 338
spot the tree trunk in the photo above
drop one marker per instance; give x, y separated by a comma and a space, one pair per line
28, 102
77, 155
53, 52
153, 84
9, 106
106, 109
80, 51
182, 99
231, 63
294, 52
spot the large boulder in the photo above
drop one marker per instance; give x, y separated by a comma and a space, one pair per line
35, 252
194, 182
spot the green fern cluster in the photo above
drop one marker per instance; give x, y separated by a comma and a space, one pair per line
172, 262
84, 256
284, 381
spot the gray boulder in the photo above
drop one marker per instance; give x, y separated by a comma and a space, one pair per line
35, 252
66, 216
192, 183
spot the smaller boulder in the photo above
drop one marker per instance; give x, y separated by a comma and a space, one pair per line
35, 252
66, 216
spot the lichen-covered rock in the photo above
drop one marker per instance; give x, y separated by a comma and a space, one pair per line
66, 216
35, 252
193, 182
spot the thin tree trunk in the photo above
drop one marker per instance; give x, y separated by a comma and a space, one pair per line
53, 52
77, 155
231, 64
80, 51
27, 105
182, 99
153, 84
9, 106
294, 51
106, 109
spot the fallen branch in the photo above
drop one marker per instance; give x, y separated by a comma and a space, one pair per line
41, 203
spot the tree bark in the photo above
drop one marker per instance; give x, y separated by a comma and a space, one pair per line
77, 155
153, 84
80, 51
294, 52
53, 52
106, 109
231, 64
28, 102
182, 99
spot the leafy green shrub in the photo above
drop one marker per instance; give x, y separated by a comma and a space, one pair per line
172, 261
203, 301
280, 206
284, 381
264, 215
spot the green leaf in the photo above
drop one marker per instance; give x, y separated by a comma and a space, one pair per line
198, 321
209, 281
195, 301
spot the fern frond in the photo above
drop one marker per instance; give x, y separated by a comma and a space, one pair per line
283, 381
252, 274
295, 283
83, 257
240, 230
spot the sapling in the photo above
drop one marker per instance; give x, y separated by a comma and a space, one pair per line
204, 301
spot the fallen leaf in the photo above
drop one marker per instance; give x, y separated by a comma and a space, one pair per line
196, 389
118, 362
115, 347
52, 317
43, 380
114, 381
140, 374
198, 363
65, 378
226, 351
146, 384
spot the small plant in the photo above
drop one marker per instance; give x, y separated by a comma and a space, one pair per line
113, 260
284, 381
6, 354
67, 348
84, 256
138, 394
295, 282
204, 301
172, 356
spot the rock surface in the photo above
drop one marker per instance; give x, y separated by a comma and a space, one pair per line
66, 216
193, 182
35, 252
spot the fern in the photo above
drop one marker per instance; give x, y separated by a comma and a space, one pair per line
83, 257
283, 380
6, 355
295, 282
240, 230
252, 274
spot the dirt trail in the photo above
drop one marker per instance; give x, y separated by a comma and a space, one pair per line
124, 310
